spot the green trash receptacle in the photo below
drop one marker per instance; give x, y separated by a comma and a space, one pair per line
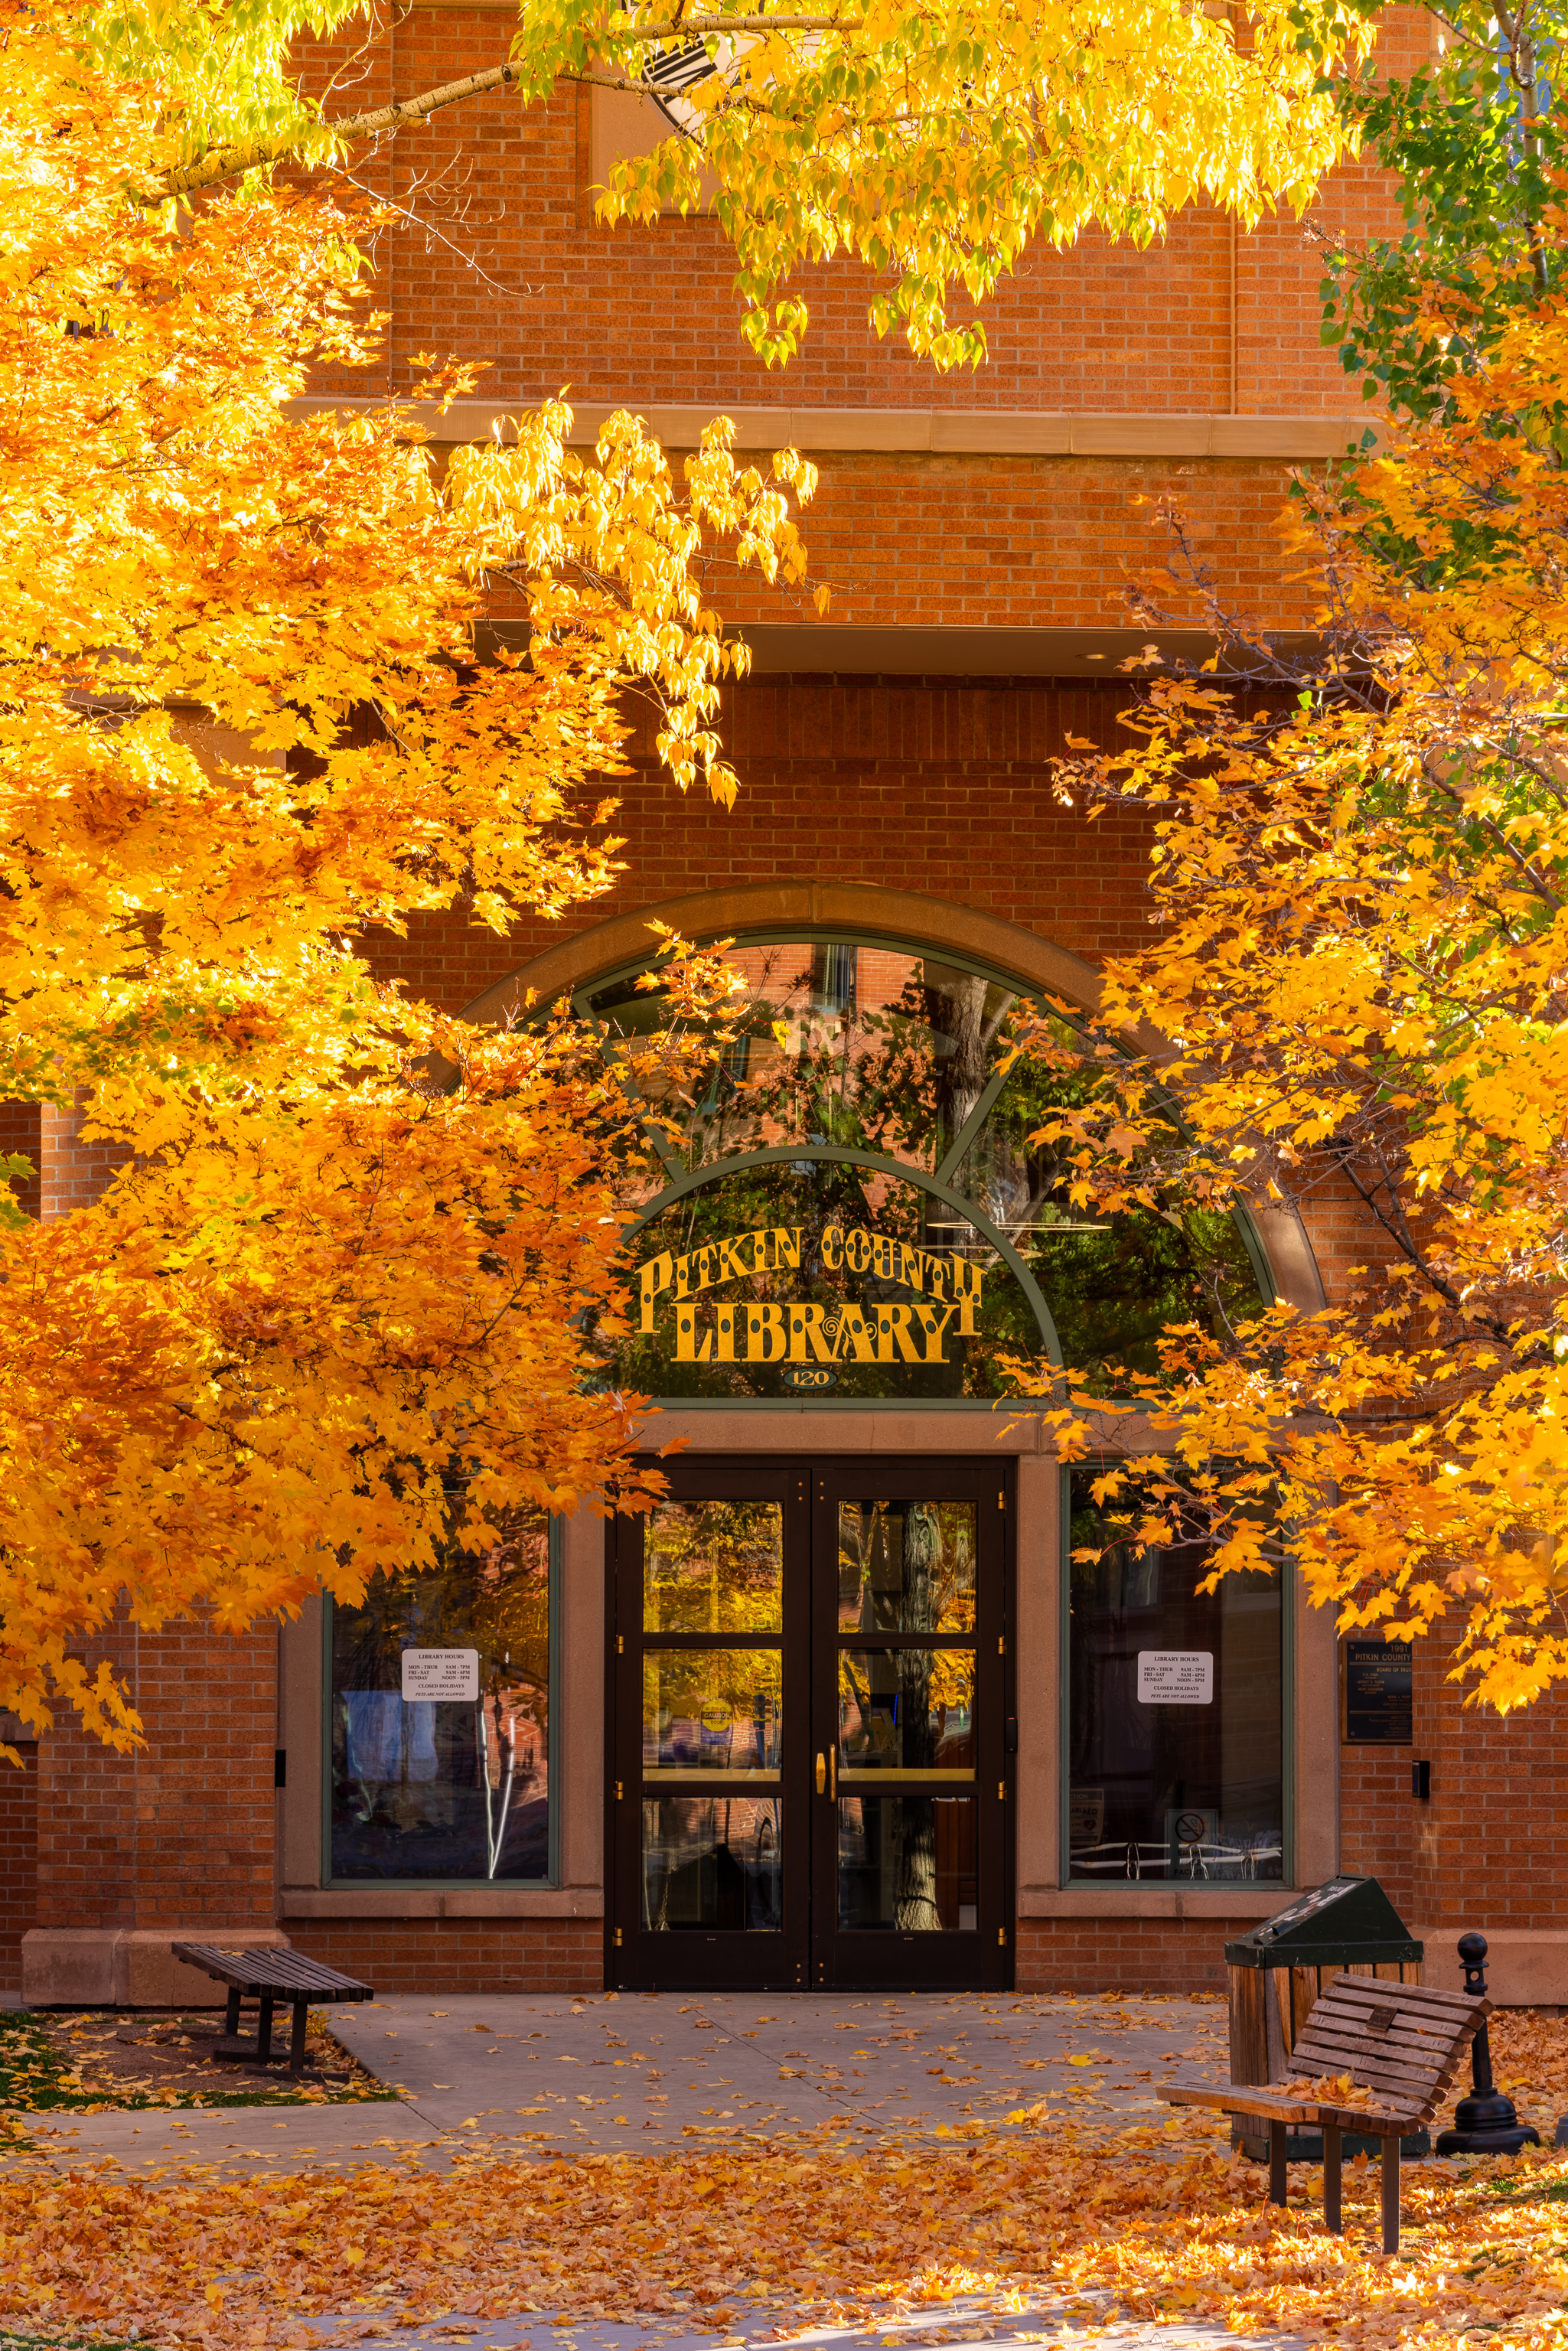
1346, 1926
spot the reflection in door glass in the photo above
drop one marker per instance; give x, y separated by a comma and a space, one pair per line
909, 1863
711, 1861
907, 1710
710, 1710
713, 1567
906, 1567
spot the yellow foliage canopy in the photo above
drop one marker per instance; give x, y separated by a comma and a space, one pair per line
1360, 975
328, 1307
933, 140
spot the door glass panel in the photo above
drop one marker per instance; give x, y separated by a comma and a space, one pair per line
714, 1567
711, 1711
711, 1861
907, 1710
906, 1567
909, 1863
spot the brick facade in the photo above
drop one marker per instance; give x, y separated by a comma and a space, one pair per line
442, 1955
183, 1834
1102, 1954
18, 1860
937, 784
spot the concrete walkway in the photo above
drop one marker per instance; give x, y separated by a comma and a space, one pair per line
544, 2076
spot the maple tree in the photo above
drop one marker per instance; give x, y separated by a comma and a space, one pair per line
324, 1319
1360, 893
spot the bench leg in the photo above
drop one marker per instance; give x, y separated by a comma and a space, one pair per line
231, 2015
1276, 2163
1331, 2180
1390, 2194
296, 2045
264, 2031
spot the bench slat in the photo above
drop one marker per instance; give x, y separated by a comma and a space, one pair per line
1413, 2000
1238, 2099
1233, 2098
1341, 2055
1399, 2079
281, 1973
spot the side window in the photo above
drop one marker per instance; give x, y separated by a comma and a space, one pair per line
438, 1718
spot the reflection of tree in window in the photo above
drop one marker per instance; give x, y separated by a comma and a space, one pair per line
445, 1789
858, 1047
908, 1567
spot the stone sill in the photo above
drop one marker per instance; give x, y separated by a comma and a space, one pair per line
1142, 1901
997, 432
438, 1902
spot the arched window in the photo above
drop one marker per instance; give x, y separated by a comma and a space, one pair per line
846, 1199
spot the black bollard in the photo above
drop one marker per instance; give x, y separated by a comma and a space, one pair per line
1485, 2123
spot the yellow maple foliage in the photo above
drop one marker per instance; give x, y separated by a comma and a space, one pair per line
325, 1319
934, 142
1358, 975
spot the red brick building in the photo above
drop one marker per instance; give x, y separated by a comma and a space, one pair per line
842, 1712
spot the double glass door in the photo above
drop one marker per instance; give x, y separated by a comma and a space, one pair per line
812, 1728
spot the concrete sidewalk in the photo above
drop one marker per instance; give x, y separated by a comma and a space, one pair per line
1050, 2325
542, 2076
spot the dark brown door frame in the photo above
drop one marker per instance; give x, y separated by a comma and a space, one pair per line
812, 1952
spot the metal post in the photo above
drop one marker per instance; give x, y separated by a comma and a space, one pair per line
1486, 2122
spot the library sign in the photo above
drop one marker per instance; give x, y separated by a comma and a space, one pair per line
808, 1342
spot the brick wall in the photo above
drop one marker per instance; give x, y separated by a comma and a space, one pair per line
18, 1860
937, 786
1124, 1954
73, 1172
183, 1833
514, 271
1376, 1819
440, 1955
1491, 1846
1029, 541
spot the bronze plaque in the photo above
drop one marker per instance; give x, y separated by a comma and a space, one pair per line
1377, 1677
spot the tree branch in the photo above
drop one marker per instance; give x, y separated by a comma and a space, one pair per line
405, 113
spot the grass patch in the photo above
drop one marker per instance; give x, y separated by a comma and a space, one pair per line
38, 2076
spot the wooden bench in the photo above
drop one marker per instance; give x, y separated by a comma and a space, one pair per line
1402, 2043
269, 1977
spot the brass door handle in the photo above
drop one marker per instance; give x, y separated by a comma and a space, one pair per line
834, 1771
821, 1775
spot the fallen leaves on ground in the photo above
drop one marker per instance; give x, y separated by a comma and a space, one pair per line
1124, 2226
101, 2061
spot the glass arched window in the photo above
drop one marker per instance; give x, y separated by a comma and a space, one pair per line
844, 1197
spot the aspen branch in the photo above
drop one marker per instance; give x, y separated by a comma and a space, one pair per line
405, 113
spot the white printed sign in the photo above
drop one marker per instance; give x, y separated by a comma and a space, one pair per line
450, 1674
1175, 1677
